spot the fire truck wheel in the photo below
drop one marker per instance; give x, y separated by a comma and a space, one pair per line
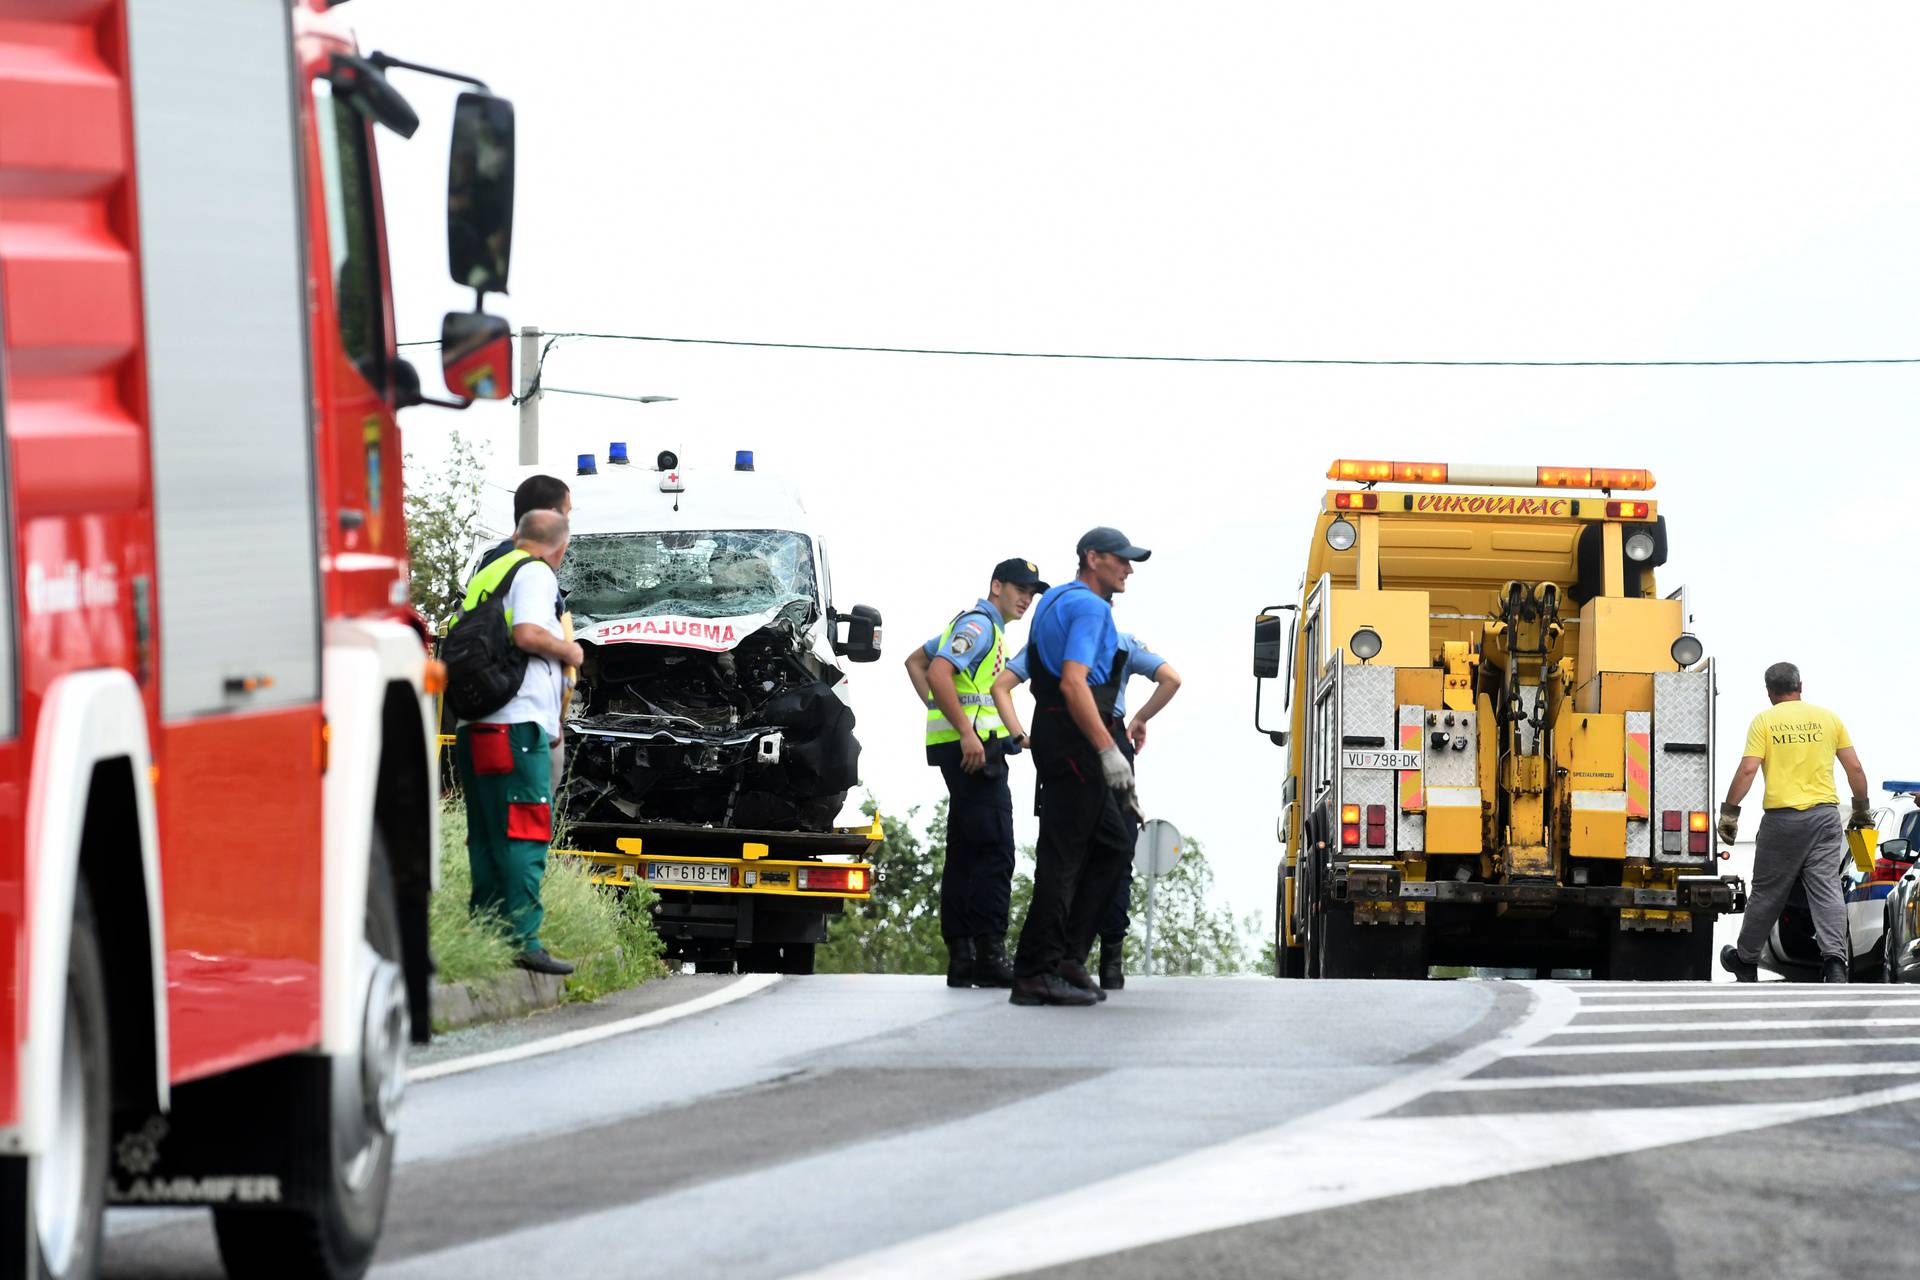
70, 1183
333, 1238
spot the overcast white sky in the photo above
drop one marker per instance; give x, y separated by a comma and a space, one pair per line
1471, 181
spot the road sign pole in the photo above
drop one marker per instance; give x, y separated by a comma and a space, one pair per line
1150, 883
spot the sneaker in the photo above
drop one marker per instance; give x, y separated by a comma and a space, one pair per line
1076, 973
1742, 971
1049, 988
539, 961
1834, 969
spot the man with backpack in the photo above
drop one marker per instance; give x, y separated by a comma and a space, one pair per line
506, 659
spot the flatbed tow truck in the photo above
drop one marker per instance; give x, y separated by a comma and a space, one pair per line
1500, 734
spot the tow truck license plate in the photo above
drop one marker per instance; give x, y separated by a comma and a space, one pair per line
1350, 759
688, 873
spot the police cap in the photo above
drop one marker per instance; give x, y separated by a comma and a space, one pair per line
1019, 573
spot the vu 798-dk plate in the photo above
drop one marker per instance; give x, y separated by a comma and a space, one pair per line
1352, 759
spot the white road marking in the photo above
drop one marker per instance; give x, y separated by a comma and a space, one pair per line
738, 989
1745, 991
1743, 1024
1303, 1168
1909, 1002
1702, 1075
1706, 1046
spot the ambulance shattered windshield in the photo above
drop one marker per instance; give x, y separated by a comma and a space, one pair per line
723, 573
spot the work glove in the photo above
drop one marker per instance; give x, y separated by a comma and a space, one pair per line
1729, 822
1114, 768
1862, 817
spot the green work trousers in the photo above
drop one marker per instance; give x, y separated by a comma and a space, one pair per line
509, 822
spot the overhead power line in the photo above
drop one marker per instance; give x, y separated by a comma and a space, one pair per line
1173, 359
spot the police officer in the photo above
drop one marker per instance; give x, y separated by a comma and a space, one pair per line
1085, 780
1131, 738
953, 675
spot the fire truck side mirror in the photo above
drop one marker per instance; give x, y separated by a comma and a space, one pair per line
480, 193
1266, 647
476, 354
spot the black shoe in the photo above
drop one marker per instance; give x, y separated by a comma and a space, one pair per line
991, 968
539, 961
1076, 973
1049, 988
1742, 971
960, 962
1834, 969
1113, 969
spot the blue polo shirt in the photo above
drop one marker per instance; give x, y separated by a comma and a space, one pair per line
1141, 661
1072, 624
971, 639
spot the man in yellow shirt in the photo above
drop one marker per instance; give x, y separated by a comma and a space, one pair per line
1800, 835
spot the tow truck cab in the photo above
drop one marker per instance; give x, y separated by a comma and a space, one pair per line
1500, 732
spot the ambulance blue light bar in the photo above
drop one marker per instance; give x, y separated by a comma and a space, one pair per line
1899, 788
743, 459
617, 453
584, 465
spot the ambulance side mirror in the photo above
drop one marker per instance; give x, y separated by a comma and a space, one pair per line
856, 634
1896, 850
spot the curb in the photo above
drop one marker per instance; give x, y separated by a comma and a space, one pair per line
513, 994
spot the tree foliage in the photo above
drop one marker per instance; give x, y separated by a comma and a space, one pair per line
898, 930
1189, 936
441, 509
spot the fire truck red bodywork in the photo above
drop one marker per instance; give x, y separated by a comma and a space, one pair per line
237, 797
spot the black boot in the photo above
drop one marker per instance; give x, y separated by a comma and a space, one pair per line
1076, 975
1049, 988
960, 962
991, 968
1834, 969
1113, 969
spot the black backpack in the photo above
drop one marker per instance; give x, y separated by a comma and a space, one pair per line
484, 666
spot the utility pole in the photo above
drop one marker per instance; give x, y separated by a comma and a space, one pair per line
529, 395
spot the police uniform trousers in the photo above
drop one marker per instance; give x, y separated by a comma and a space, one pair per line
976, 883
1115, 923
506, 774
1083, 852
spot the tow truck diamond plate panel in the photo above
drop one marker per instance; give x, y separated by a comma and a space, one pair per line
1682, 718
1369, 712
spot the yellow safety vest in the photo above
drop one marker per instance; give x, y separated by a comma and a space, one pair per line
976, 693
487, 581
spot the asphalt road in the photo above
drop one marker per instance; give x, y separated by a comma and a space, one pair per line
879, 1126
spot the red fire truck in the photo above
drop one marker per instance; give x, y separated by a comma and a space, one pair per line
216, 796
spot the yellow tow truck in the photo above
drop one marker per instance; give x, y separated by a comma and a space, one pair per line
1500, 733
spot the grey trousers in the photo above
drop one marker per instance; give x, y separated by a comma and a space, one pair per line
1807, 845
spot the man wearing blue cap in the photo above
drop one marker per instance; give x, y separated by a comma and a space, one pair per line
1075, 666
1131, 738
953, 675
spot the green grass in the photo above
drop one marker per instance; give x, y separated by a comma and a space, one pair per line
608, 933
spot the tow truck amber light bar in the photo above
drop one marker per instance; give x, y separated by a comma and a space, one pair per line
1363, 471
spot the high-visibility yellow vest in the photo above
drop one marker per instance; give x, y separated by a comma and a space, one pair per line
976, 692
487, 581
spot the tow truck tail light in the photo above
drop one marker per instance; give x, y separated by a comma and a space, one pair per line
832, 879
1376, 826
1349, 825
1356, 502
1697, 820
1627, 510
1670, 820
